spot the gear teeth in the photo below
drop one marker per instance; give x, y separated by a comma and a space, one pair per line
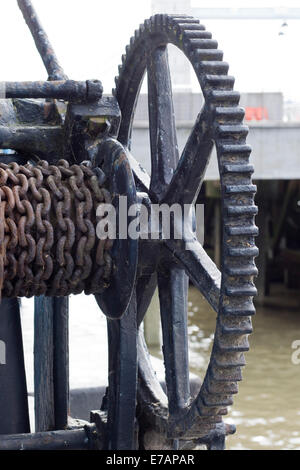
241, 270
250, 252
214, 67
223, 83
212, 401
241, 291
224, 97
204, 43
237, 168
240, 189
184, 21
220, 374
229, 115
201, 424
238, 149
229, 361
245, 330
191, 27
247, 311
241, 210
156, 21
225, 131
206, 411
221, 388
227, 345
197, 34
178, 16
207, 54
223, 412
242, 230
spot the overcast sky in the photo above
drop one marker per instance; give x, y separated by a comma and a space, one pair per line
89, 37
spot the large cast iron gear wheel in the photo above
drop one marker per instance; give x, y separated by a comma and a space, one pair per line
229, 291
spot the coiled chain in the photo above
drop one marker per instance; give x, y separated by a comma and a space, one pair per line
48, 242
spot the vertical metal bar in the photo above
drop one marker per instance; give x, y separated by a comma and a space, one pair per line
43, 45
61, 360
14, 416
43, 365
122, 338
173, 286
51, 363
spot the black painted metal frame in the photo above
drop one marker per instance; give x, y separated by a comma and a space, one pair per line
178, 180
86, 128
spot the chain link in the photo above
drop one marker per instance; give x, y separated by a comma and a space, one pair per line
48, 242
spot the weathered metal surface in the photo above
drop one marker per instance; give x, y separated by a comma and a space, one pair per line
68, 90
122, 374
51, 365
73, 439
40, 141
124, 252
14, 417
230, 292
48, 223
86, 125
61, 360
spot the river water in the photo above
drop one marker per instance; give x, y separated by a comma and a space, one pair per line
266, 411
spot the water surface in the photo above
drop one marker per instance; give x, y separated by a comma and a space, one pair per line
266, 411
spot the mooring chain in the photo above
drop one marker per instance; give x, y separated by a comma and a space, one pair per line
48, 241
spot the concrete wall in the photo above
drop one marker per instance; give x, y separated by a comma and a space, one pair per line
276, 144
271, 102
275, 154
187, 105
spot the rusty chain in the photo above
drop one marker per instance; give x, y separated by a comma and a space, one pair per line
48, 242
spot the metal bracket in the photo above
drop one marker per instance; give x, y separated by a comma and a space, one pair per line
86, 125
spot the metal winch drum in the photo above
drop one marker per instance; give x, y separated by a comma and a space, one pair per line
66, 151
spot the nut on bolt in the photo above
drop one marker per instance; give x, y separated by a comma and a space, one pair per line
94, 90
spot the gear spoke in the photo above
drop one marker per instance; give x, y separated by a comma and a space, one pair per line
163, 139
150, 391
188, 177
173, 287
141, 177
199, 267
